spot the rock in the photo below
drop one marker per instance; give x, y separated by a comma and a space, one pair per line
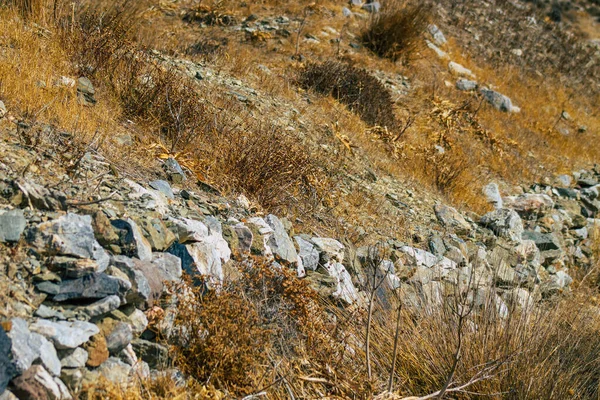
28, 348
93, 286
308, 253
70, 235
163, 187
174, 170
452, 219
12, 224
205, 261
498, 100
345, 289
138, 322
420, 257
568, 193
188, 230
140, 291
115, 371
7, 368
544, 241
31, 194
102, 307
436, 245
65, 335
128, 356
133, 239
280, 243
329, 250
156, 232
564, 180
168, 266
345, 12
156, 355
492, 194
3, 112
70, 267
437, 34
74, 358
72, 378
97, 351
85, 91
529, 203
103, 230
244, 238
8, 395
37, 384
459, 70
118, 335
372, 7
504, 223
465, 84
151, 199
439, 52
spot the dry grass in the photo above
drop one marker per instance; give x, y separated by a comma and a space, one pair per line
396, 32
314, 349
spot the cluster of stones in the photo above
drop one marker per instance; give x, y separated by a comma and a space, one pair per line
87, 279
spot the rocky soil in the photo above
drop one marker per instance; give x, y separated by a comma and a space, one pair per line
88, 258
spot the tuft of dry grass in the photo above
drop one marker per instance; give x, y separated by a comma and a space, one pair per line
355, 87
396, 32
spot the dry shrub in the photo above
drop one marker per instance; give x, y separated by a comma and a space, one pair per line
355, 87
222, 340
396, 31
263, 161
250, 333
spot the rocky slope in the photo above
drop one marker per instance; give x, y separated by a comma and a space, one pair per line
83, 273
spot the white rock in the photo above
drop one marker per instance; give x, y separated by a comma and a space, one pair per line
65, 335
459, 70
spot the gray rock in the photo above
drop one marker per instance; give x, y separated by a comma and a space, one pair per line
74, 358
504, 223
529, 203
344, 289
140, 287
115, 371
29, 347
568, 193
280, 243
564, 180
439, 52
102, 307
437, 34
459, 70
174, 170
3, 110
544, 241
436, 245
37, 196
466, 84
418, 257
120, 336
156, 355
452, 219
329, 249
70, 235
46, 312
163, 187
70, 267
498, 100
93, 286
137, 244
168, 265
308, 253
345, 12
492, 194
65, 335
7, 368
85, 91
373, 7
12, 224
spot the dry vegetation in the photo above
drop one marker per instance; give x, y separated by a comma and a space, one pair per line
288, 342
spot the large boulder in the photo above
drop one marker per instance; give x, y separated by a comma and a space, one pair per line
31, 347
93, 286
70, 235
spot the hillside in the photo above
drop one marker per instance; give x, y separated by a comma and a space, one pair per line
277, 199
